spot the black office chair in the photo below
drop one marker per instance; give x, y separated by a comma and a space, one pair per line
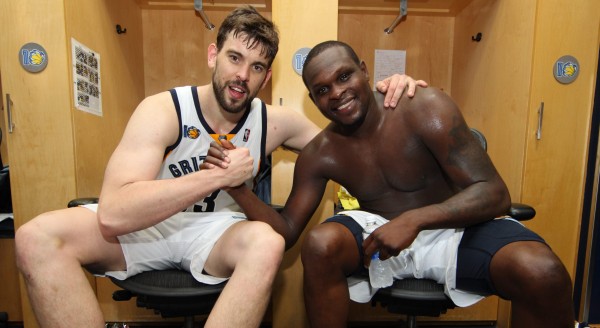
170, 293
425, 297
175, 293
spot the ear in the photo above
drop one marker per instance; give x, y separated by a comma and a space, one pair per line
212, 55
267, 78
363, 67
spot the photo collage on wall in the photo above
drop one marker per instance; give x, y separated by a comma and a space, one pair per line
86, 79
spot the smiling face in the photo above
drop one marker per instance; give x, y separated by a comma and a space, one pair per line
338, 86
239, 72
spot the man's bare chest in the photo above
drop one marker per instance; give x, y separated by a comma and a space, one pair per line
371, 169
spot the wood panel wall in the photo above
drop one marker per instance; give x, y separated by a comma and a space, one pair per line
555, 170
40, 148
59, 153
3, 147
492, 88
299, 28
175, 49
93, 23
428, 41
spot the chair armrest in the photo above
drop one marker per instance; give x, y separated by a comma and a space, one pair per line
521, 212
82, 201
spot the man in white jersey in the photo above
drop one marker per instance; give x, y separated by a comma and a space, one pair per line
158, 210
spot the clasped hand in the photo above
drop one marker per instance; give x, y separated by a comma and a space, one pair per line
236, 161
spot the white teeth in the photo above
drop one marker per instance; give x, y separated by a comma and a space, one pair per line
344, 106
237, 89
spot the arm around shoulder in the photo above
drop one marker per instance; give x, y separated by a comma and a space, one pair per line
289, 128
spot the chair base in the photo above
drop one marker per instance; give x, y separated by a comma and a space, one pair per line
170, 293
414, 297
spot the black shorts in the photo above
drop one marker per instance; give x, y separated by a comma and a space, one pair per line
475, 251
478, 245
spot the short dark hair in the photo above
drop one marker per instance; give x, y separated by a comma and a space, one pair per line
256, 30
319, 48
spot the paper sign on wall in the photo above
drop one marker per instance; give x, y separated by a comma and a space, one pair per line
387, 63
86, 78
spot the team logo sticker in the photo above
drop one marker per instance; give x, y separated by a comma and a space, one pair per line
192, 132
298, 59
33, 57
566, 69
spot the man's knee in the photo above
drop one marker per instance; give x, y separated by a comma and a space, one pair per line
547, 271
264, 240
261, 232
530, 266
321, 243
30, 239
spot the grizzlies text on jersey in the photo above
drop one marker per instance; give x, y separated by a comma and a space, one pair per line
195, 136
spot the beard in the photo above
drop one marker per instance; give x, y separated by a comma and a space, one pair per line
231, 106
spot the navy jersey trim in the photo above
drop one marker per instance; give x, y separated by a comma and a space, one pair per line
264, 168
263, 142
208, 129
199, 111
179, 119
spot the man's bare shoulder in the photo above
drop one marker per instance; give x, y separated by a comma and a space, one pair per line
327, 141
427, 106
288, 127
160, 101
155, 113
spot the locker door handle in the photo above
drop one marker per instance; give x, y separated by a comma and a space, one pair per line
9, 105
538, 134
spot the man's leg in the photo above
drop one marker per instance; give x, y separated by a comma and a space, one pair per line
51, 250
251, 253
329, 254
537, 283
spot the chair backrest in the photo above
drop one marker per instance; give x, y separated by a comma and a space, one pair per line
480, 137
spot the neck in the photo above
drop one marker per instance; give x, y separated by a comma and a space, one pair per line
220, 120
370, 122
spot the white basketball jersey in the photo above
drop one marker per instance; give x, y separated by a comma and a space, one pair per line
195, 136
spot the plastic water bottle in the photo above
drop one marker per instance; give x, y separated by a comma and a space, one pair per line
380, 273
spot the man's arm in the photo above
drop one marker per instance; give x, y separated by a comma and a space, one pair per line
397, 84
131, 197
307, 191
482, 193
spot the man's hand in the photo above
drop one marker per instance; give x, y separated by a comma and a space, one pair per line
236, 162
239, 168
218, 155
389, 239
395, 85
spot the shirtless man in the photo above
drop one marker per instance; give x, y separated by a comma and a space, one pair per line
433, 190
153, 177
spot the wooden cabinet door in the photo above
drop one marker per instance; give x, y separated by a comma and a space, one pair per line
554, 173
301, 24
40, 147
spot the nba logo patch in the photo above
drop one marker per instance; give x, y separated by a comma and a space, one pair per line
246, 135
191, 132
